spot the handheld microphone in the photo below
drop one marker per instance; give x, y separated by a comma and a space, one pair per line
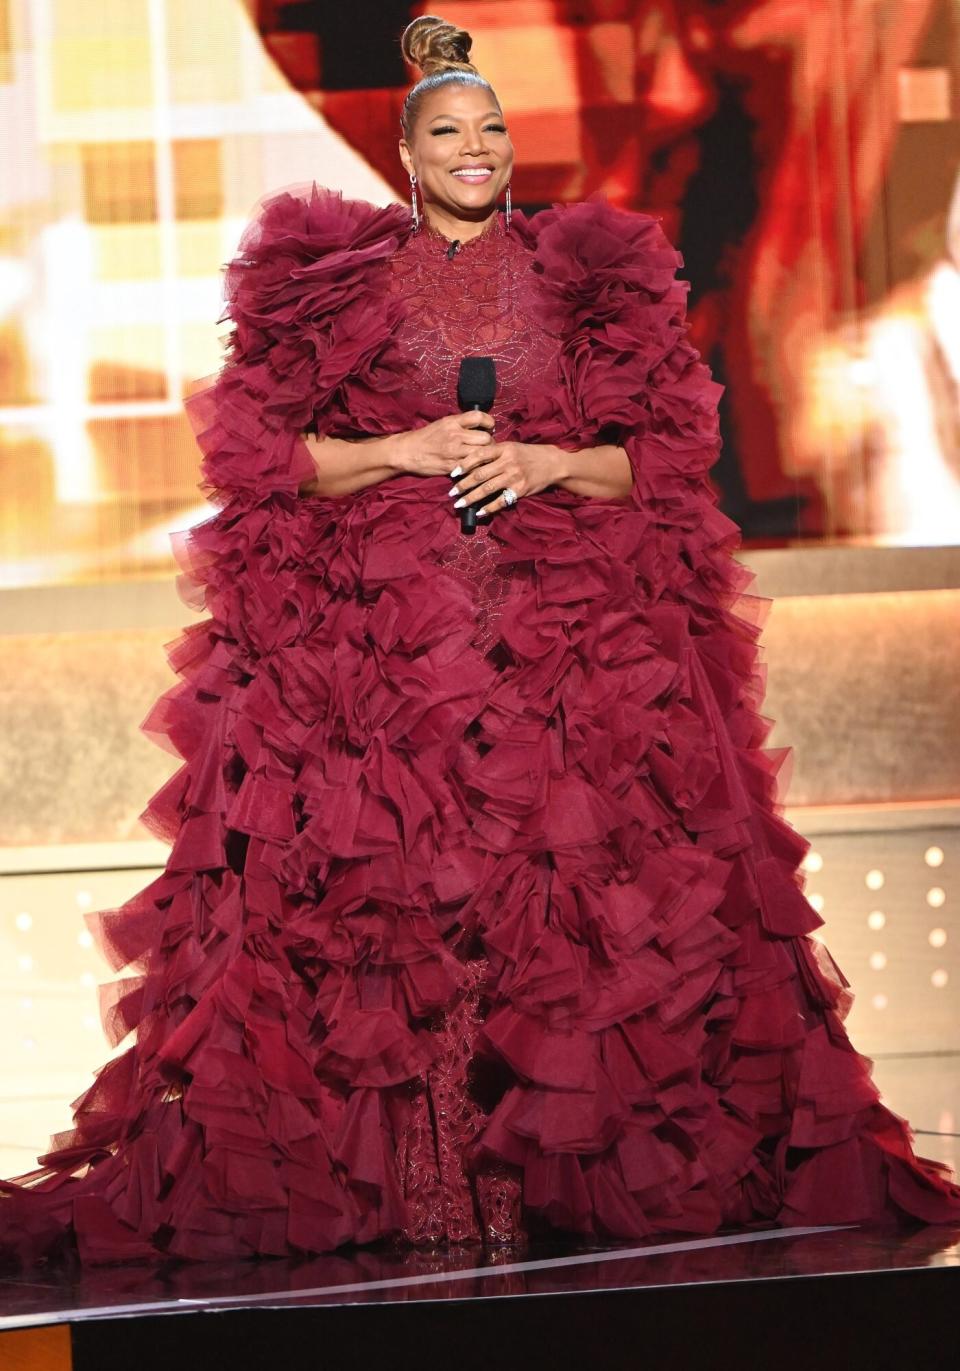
476, 388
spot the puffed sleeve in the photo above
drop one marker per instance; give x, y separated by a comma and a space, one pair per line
610, 280
300, 281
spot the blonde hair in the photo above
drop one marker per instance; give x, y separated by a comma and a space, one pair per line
442, 52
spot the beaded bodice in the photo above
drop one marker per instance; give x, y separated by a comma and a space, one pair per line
479, 302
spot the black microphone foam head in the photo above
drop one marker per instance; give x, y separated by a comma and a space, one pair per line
477, 383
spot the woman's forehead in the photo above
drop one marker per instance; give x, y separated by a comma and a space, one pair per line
457, 101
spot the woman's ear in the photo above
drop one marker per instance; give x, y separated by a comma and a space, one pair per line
405, 156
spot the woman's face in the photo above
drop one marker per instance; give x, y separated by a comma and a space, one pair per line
460, 150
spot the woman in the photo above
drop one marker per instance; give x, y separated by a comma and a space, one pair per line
481, 917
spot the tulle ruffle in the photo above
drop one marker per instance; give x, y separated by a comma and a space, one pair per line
311, 338
367, 793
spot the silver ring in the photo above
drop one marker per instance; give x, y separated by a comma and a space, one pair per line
509, 496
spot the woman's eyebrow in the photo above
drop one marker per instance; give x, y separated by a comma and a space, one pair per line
495, 113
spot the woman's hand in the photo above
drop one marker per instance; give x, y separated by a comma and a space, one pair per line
523, 467
437, 448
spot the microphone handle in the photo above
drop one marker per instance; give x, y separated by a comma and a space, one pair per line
468, 515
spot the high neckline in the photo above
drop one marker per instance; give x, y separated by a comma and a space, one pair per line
428, 234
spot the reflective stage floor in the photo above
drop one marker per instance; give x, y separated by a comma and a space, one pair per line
839, 1295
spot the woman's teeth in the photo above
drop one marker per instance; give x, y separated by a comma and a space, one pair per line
483, 174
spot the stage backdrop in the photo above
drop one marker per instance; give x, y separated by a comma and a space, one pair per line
803, 157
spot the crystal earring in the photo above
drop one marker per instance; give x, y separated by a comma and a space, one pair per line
414, 208
509, 207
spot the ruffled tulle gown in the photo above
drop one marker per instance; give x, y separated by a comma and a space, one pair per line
481, 915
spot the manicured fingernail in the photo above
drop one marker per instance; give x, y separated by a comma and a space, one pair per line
482, 513
457, 471
454, 490
458, 503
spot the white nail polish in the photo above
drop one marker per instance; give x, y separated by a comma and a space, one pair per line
454, 490
458, 503
457, 471
482, 513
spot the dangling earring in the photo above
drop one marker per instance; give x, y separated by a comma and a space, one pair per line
414, 208
509, 207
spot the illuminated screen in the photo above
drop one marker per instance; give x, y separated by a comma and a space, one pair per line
804, 158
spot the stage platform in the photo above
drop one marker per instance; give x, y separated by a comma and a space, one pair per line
841, 1296
838, 1296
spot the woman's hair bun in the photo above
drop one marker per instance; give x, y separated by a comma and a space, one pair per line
433, 45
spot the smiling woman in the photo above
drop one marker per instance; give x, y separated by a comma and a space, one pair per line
481, 918
457, 151
455, 141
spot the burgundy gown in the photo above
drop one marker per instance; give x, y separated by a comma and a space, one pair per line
481, 915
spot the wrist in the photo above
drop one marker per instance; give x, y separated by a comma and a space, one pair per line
563, 464
392, 450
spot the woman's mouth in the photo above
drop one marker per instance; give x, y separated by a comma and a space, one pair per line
473, 176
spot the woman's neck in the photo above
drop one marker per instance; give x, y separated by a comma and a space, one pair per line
454, 229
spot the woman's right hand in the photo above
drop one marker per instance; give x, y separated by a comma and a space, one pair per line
438, 448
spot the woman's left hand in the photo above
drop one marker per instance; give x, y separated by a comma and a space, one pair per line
523, 467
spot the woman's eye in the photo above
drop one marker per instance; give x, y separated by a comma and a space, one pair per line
449, 128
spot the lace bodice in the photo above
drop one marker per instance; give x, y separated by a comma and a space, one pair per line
480, 302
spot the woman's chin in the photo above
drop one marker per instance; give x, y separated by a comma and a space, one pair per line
472, 206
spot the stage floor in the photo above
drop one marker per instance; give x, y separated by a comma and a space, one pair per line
924, 1089
468, 1272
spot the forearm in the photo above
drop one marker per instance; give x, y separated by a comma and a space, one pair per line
345, 465
603, 473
